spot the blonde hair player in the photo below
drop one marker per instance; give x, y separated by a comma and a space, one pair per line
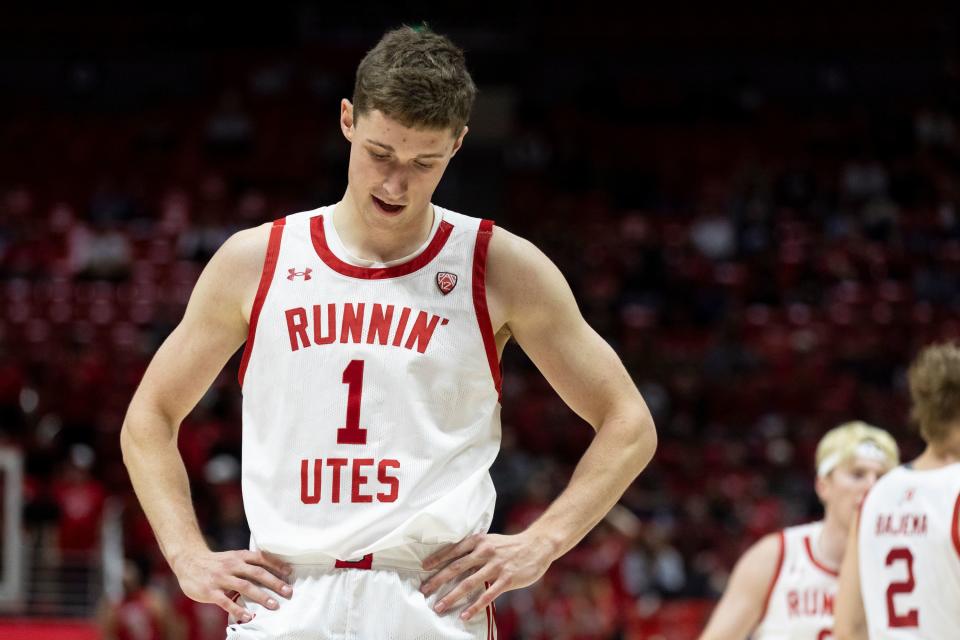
371, 389
783, 587
901, 572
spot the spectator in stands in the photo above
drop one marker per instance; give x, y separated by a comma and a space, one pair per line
79, 497
142, 613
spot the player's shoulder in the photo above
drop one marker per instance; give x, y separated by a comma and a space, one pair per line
800, 531
887, 491
516, 257
889, 481
765, 552
504, 246
760, 563
250, 239
252, 242
234, 270
244, 251
508, 244
521, 274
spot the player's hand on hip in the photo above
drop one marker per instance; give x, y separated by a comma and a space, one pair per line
216, 577
505, 562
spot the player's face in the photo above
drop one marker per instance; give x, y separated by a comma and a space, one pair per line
844, 488
394, 169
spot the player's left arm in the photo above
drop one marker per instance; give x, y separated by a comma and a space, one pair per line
542, 314
850, 622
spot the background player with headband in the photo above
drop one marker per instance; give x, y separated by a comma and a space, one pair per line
371, 383
901, 572
783, 587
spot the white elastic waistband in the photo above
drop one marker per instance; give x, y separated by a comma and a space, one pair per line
408, 557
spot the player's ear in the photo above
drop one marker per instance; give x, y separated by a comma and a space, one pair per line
822, 487
346, 119
459, 141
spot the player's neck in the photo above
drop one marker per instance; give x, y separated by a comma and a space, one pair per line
939, 455
375, 242
831, 543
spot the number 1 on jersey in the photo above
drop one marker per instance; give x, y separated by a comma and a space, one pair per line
353, 378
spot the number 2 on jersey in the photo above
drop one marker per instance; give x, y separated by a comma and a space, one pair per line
911, 617
353, 433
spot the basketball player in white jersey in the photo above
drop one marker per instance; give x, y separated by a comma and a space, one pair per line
901, 572
783, 587
371, 384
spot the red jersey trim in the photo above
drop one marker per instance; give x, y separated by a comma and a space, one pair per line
486, 585
776, 575
266, 277
480, 300
955, 526
319, 238
491, 611
817, 563
366, 562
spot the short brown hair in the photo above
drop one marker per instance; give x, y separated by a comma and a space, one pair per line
934, 380
416, 77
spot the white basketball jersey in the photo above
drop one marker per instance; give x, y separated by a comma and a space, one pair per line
371, 410
800, 600
909, 551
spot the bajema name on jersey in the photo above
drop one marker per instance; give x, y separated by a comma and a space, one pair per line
348, 322
905, 524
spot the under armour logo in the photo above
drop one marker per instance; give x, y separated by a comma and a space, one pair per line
305, 274
446, 281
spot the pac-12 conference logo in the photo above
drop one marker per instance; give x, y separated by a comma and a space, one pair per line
446, 281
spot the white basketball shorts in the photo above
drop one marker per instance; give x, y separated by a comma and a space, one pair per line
375, 598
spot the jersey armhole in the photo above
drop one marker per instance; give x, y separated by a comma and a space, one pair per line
776, 575
955, 526
484, 233
266, 277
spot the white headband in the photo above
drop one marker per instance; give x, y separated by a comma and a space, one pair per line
866, 449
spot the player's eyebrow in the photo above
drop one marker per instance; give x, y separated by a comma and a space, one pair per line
391, 150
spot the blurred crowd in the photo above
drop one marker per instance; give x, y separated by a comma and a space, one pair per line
765, 268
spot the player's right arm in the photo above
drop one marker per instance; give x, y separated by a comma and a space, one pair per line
739, 610
850, 622
213, 327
